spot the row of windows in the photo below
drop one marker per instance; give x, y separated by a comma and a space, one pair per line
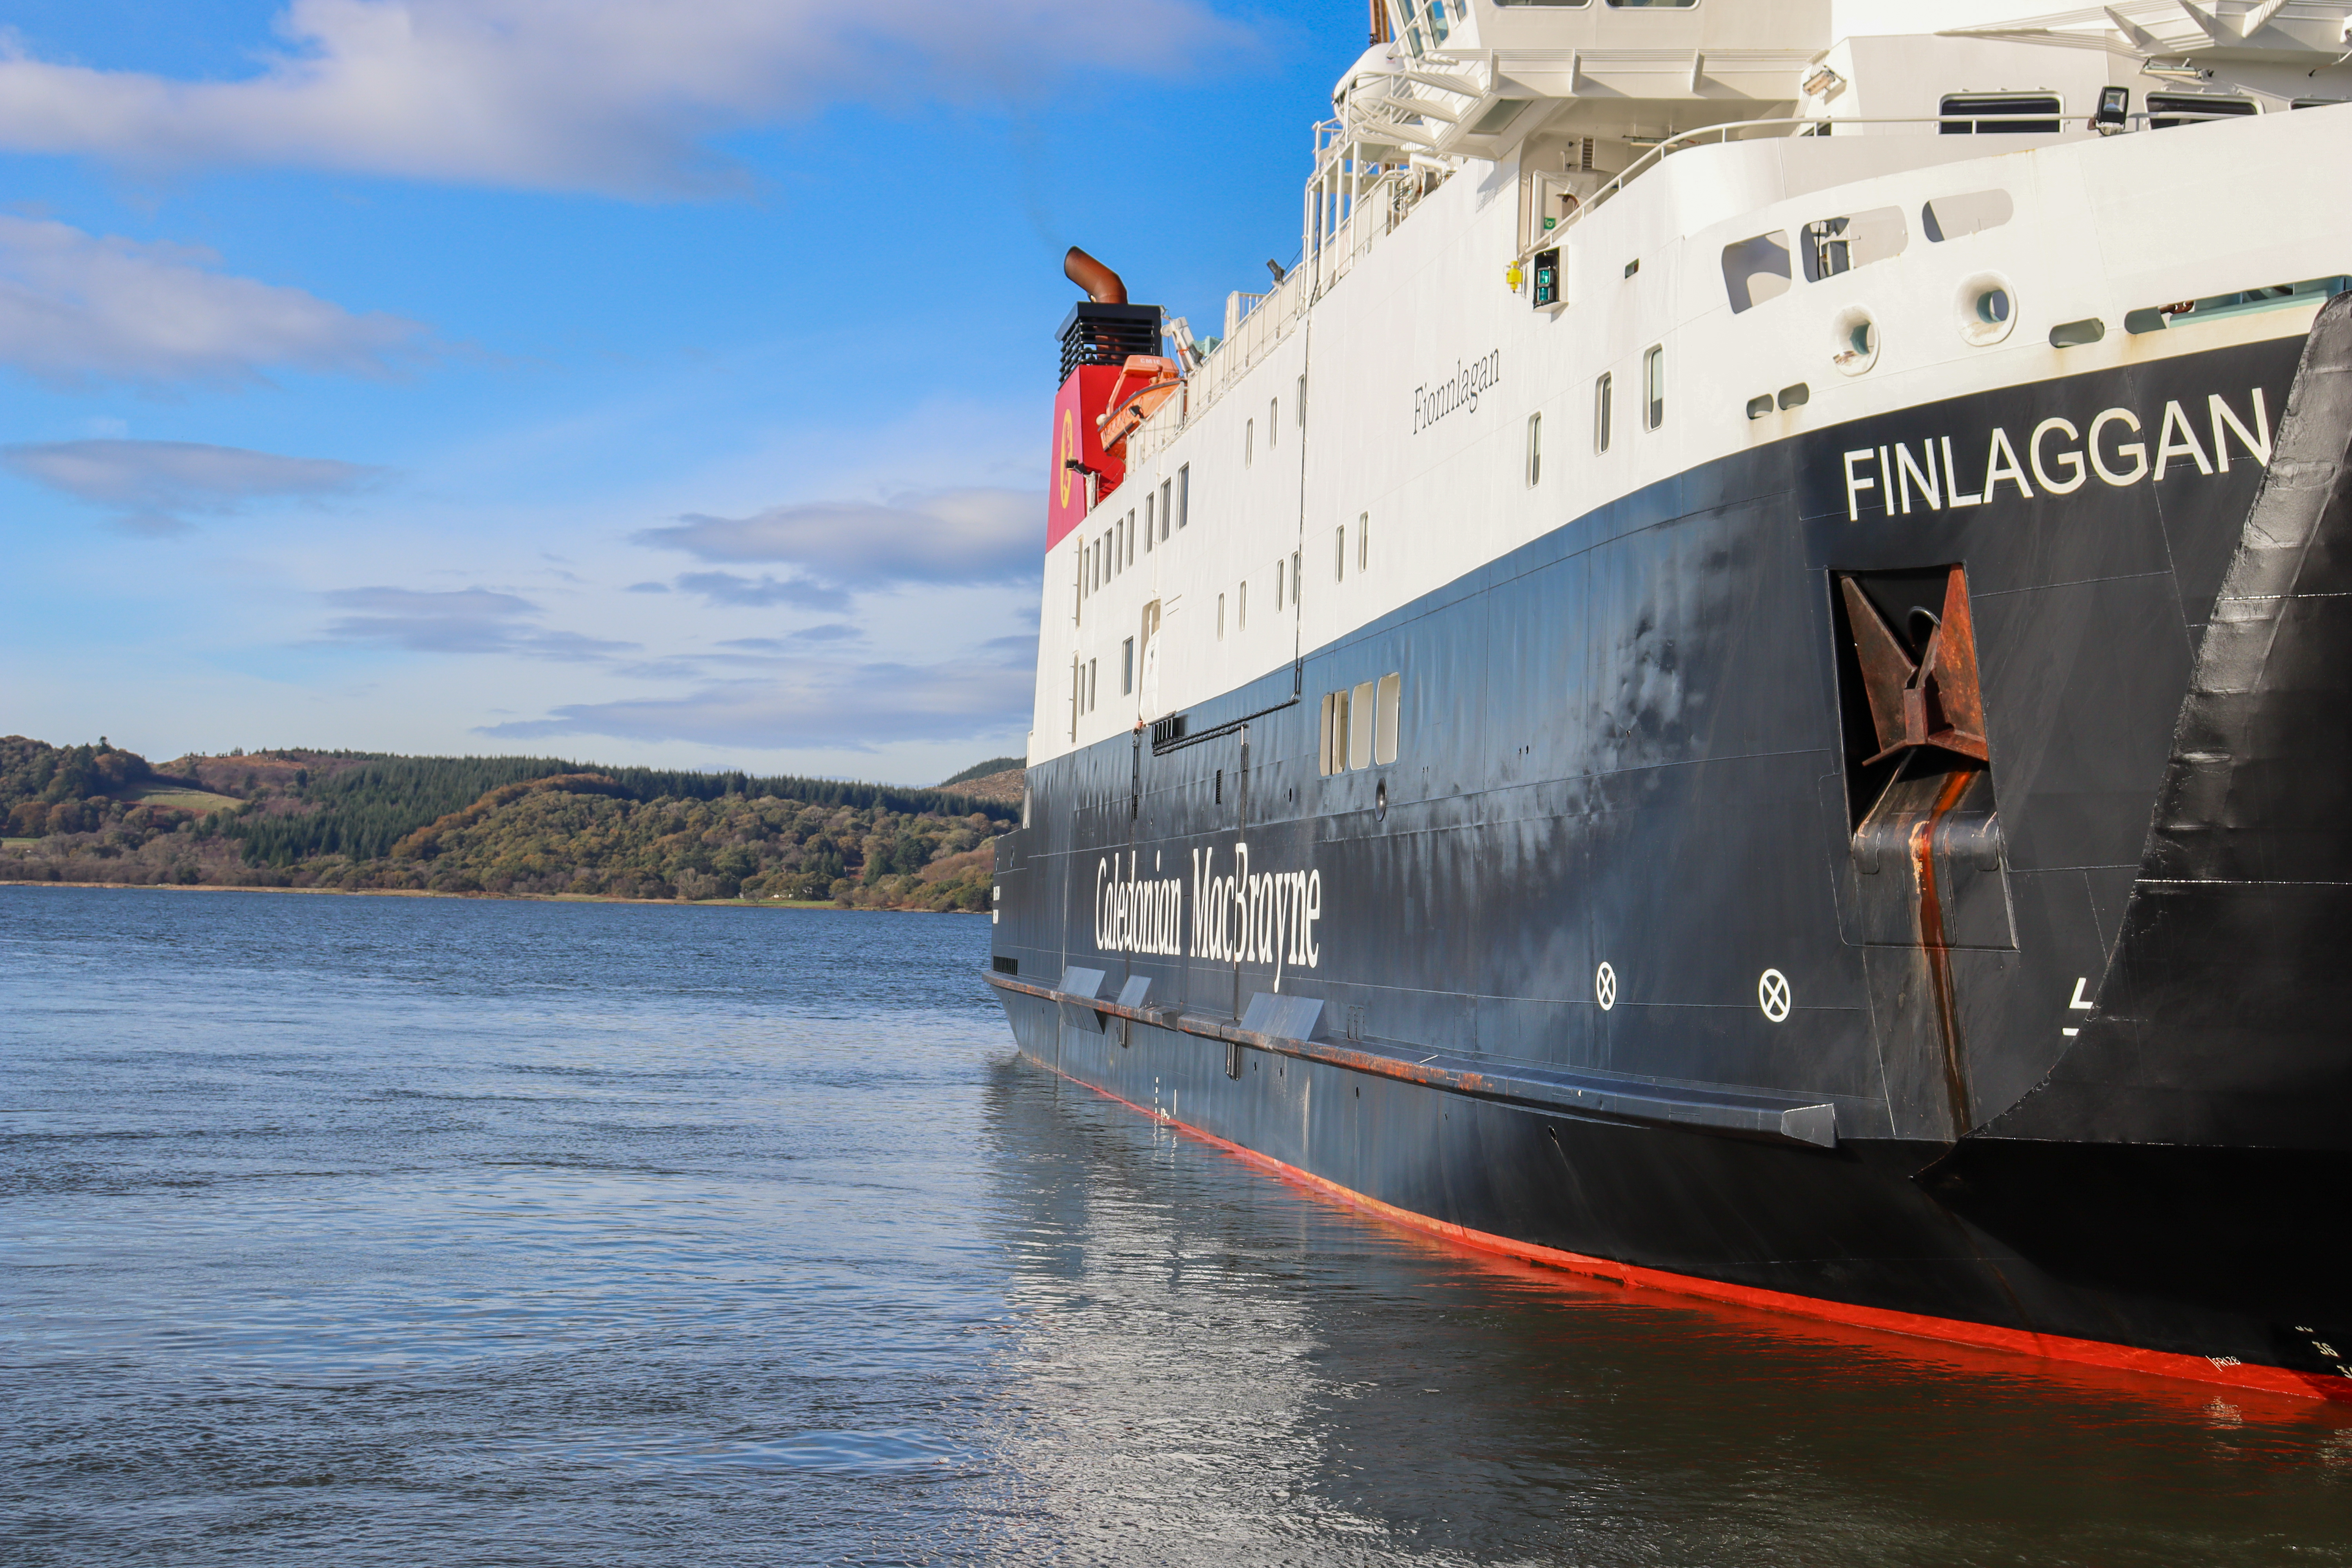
1604, 402
1291, 576
1273, 422
1359, 725
1758, 269
1112, 552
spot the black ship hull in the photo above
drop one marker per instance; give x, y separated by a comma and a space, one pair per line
1649, 954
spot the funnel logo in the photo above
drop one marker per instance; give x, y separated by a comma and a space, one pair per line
1067, 448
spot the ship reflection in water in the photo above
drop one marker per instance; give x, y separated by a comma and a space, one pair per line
1208, 1357
380, 1231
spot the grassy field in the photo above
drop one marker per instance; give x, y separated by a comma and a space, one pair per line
196, 800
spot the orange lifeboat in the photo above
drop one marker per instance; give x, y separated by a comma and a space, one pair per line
1127, 410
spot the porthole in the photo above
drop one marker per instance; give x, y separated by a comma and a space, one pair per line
1854, 345
1986, 308
1380, 803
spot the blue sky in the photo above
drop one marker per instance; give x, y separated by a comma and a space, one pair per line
657, 380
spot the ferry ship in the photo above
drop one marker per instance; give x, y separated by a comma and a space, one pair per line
1738, 679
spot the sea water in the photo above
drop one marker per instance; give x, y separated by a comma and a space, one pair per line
433, 1232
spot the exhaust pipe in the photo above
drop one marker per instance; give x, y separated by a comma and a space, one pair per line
1101, 284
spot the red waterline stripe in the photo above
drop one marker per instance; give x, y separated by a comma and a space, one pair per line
1911, 1325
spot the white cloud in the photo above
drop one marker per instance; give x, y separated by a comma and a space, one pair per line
850, 707
617, 96
746, 593
151, 483
969, 535
77, 307
463, 620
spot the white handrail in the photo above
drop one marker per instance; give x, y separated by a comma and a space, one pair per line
1814, 126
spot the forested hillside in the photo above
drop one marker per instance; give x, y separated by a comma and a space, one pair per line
487, 824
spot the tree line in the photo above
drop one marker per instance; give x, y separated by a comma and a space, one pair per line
495, 824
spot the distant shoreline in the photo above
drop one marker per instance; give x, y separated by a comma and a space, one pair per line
825, 904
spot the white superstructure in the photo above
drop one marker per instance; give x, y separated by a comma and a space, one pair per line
1556, 253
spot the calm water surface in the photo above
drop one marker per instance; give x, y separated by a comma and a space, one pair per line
361, 1230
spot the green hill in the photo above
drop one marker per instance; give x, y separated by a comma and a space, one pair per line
495, 825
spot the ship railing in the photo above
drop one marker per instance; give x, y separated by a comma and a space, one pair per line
1759, 130
1255, 325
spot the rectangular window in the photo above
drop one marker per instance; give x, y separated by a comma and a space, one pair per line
1295, 581
1241, 609
1183, 495
1277, 586
1333, 752
1835, 245
1249, 442
1362, 703
1130, 536
1221, 617
1654, 386
1147, 498
1163, 506
1340, 554
1601, 399
1986, 114
1077, 694
2166, 110
1091, 672
1535, 449
1363, 541
1126, 667
1299, 403
1384, 732
1951, 217
1273, 420
1754, 270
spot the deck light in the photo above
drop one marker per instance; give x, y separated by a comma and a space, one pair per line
2114, 111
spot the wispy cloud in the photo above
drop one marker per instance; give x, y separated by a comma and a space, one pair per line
727, 588
151, 483
77, 308
971, 535
461, 620
853, 707
616, 95
830, 632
